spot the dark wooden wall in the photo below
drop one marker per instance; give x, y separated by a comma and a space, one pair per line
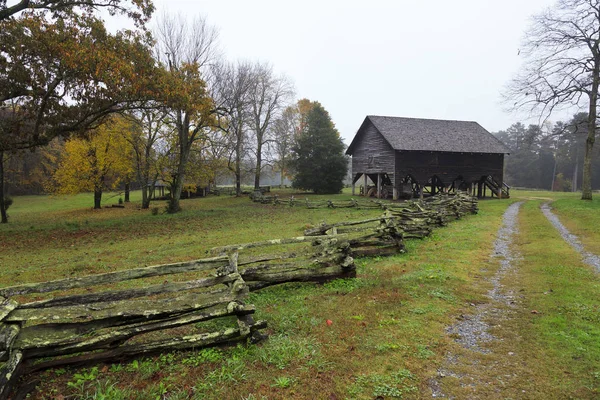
372, 154
448, 166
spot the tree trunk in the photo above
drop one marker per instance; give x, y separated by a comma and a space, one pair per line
238, 168
4, 218
97, 198
575, 173
127, 192
258, 164
145, 201
586, 185
175, 195
144, 179
183, 127
177, 183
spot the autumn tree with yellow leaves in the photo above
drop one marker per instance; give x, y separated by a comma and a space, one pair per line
96, 162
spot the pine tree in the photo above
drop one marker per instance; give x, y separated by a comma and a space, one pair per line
320, 163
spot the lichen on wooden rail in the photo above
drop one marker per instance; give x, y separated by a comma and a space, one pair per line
112, 277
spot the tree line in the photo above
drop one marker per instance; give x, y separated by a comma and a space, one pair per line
550, 156
84, 109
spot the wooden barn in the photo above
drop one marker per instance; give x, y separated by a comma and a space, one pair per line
409, 157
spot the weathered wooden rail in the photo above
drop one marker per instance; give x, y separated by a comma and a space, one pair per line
385, 234
86, 326
293, 202
299, 259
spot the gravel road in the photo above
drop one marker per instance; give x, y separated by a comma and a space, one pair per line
589, 258
473, 330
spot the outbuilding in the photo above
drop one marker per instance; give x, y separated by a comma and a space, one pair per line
406, 157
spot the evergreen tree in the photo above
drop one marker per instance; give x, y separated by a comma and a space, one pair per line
320, 163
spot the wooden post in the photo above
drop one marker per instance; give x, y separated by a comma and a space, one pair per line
366, 187
353, 188
378, 186
395, 193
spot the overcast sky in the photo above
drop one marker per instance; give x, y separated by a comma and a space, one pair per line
410, 58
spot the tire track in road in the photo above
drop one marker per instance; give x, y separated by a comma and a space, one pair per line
591, 259
473, 330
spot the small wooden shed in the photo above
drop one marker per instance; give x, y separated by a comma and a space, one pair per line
406, 157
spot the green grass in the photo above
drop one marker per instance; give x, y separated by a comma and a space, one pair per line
387, 333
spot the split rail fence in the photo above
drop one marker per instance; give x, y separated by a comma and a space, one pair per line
111, 316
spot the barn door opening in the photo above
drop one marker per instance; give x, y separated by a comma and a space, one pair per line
382, 187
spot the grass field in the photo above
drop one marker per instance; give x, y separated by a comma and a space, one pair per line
387, 336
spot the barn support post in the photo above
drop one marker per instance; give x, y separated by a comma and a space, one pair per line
353, 188
366, 190
395, 192
378, 186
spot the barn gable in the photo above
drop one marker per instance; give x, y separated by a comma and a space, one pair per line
373, 153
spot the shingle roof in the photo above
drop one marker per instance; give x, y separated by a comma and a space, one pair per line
419, 134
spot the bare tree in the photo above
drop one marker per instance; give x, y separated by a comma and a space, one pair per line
149, 126
562, 67
268, 96
187, 49
231, 85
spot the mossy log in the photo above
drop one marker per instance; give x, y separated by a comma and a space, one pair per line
116, 295
126, 351
125, 308
262, 275
383, 251
264, 243
323, 228
9, 373
118, 276
34, 345
8, 333
6, 306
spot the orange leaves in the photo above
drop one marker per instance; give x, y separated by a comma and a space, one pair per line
78, 53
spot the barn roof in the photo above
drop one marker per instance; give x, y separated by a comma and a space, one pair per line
418, 134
